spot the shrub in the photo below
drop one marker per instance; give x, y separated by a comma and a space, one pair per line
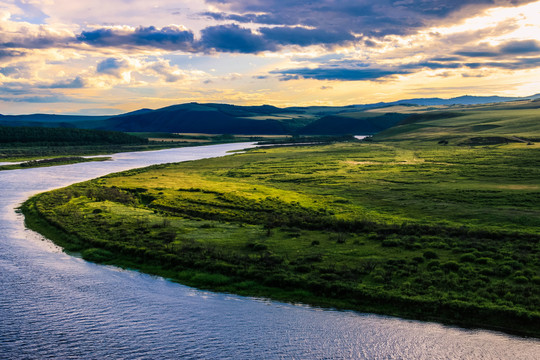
391, 243
505, 270
430, 255
521, 280
97, 255
484, 261
467, 258
211, 279
451, 266
257, 246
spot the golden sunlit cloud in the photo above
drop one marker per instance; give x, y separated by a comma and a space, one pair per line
196, 51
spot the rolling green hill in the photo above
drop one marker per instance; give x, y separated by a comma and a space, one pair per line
424, 119
362, 123
197, 118
494, 123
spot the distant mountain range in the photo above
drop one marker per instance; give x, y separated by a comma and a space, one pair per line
250, 120
460, 100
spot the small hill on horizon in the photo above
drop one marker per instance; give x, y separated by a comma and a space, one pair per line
214, 118
201, 118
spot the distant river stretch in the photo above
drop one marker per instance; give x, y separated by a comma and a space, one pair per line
53, 305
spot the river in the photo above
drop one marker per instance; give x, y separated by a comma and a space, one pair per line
53, 305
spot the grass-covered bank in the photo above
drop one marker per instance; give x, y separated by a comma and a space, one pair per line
423, 231
51, 162
36, 143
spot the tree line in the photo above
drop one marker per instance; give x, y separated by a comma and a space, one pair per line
65, 136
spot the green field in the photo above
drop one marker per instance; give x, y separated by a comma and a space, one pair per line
415, 229
518, 121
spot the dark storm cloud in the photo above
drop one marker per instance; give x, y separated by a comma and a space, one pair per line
510, 48
111, 66
368, 17
351, 71
10, 53
304, 37
520, 47
233, 38
477, 53
338, 73
221, 38
265, 19
519, 64
167, 38
43, 41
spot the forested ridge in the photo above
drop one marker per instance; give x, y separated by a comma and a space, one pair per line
64, 136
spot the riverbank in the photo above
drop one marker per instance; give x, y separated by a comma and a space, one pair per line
52, 162
248, 224
85, 308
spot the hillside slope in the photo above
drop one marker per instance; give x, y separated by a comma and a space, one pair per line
362, 124
195, 118
513, 121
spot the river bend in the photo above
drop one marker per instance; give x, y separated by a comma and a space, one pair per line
53, 305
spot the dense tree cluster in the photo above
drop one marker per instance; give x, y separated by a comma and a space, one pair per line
64, 136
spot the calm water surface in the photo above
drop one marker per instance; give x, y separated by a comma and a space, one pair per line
53, 305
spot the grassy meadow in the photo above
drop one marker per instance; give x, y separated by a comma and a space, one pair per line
472, 125
409, 228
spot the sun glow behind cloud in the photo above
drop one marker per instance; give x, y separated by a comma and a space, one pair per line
61, 56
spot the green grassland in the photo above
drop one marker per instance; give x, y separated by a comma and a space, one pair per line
519, 121
415, 229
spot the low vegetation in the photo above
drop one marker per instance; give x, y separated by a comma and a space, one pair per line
51, 162
472, 125
27, 143
47, 144
423, 230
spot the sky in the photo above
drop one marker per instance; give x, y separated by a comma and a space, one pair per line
112, 56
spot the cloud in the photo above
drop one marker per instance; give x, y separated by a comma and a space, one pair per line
16, 35
304, 37
233, 38
368, 17
112, 66
164, 70
10, 54
348, 70
339, 73
14, 71
167, 38
518, 64
36, 99
31, 12
509, 48
236, 39
76, 83
520, 47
